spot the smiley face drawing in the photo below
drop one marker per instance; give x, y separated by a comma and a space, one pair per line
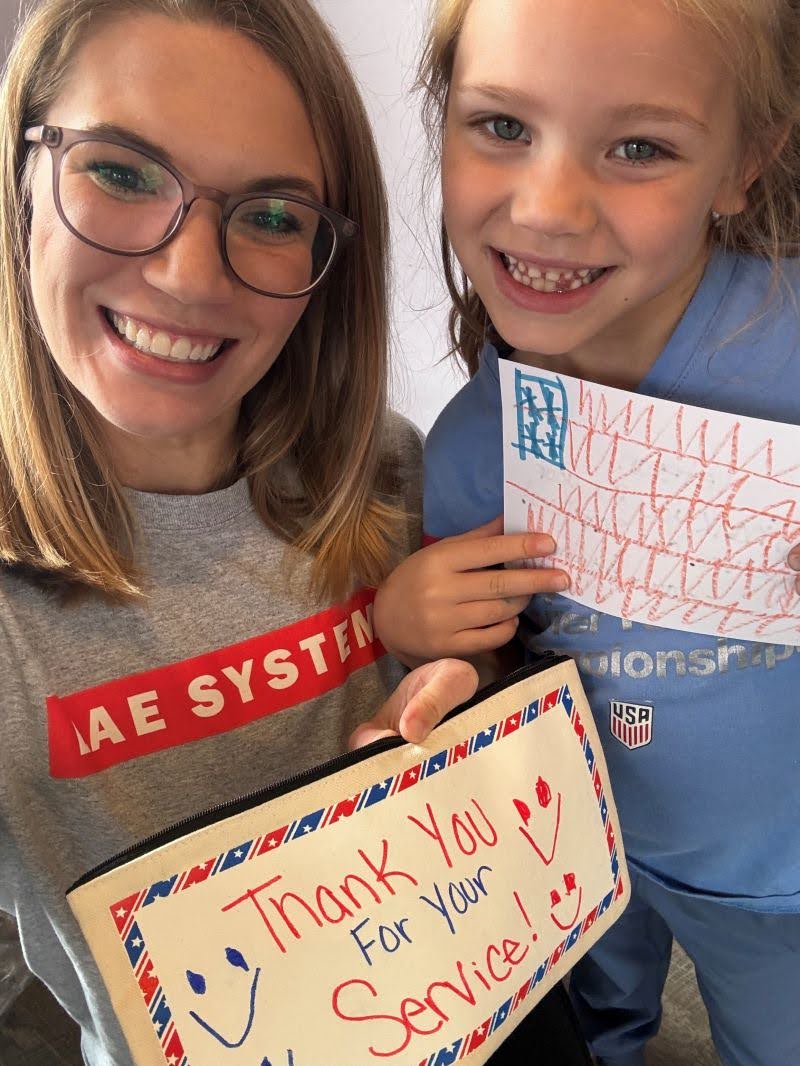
197, 983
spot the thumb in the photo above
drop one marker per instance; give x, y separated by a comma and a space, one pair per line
434, 694
420, 702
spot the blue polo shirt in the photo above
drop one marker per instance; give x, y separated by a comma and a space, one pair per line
708, 789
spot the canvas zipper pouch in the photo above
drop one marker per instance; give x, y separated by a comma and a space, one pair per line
402, 904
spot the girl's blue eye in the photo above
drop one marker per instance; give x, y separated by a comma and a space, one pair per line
506, 129
639, 152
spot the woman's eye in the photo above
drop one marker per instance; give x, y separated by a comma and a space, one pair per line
122, 180
505, 129
274, 222
266, 224
637, 151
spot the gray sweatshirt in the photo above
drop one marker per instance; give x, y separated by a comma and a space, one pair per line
119, 720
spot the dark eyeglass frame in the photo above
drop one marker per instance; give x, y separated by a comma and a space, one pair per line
59, 139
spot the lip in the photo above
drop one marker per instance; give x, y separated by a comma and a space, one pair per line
152, 366
549, 303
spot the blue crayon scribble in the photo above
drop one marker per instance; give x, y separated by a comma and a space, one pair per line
542, 416
235, 958
197, 983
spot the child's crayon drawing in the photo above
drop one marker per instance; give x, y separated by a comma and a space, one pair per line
662, 513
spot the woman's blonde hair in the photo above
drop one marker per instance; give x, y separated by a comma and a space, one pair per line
760, 39
320, 407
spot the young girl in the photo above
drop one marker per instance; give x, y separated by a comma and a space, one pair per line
198, 479
621, 184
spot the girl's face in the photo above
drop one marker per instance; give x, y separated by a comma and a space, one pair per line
213, 103
586, 145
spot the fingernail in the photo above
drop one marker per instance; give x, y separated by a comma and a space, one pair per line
561, 583
545, 544
413, 732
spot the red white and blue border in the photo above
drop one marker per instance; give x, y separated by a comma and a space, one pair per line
124, 912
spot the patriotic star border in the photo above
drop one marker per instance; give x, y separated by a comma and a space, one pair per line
123, 913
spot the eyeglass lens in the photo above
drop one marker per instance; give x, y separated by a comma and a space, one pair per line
127, 202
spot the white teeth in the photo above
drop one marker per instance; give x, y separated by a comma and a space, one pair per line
159, 343
550, 280
181, 349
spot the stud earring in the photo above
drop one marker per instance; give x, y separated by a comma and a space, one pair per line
716, 218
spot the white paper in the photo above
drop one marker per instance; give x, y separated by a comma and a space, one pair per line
662, 513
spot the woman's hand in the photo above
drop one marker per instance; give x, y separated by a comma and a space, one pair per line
452, 599
419, 702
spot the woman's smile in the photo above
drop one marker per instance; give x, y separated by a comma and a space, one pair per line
170, 343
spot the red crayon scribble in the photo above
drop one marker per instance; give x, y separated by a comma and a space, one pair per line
524, 913
543, 793
555, 899
524, 811
287, 914
664, 518
467, 831
393, 1026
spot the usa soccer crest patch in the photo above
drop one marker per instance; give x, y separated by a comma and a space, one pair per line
631, 723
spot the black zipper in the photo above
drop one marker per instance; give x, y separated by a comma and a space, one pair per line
239, 804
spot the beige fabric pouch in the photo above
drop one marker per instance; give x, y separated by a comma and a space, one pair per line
403, 904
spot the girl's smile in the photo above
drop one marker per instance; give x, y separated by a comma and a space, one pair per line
547, 287
580, 172
546, 276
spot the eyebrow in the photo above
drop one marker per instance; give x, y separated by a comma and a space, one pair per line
657, 113
630, 113
269, 183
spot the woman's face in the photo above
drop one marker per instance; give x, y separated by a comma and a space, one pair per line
210, 101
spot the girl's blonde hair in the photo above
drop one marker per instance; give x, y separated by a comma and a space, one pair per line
760, 39
320, 407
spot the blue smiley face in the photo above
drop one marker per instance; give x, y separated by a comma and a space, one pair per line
197, 983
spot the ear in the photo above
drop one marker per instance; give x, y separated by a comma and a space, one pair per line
731, 198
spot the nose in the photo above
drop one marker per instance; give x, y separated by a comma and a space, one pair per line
191, 268
554, 197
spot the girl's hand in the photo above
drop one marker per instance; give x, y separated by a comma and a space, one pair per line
449, 599
419, 702
794, 562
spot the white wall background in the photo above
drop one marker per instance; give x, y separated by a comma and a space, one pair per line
382, 40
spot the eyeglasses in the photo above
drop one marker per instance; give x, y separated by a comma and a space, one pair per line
116, 197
